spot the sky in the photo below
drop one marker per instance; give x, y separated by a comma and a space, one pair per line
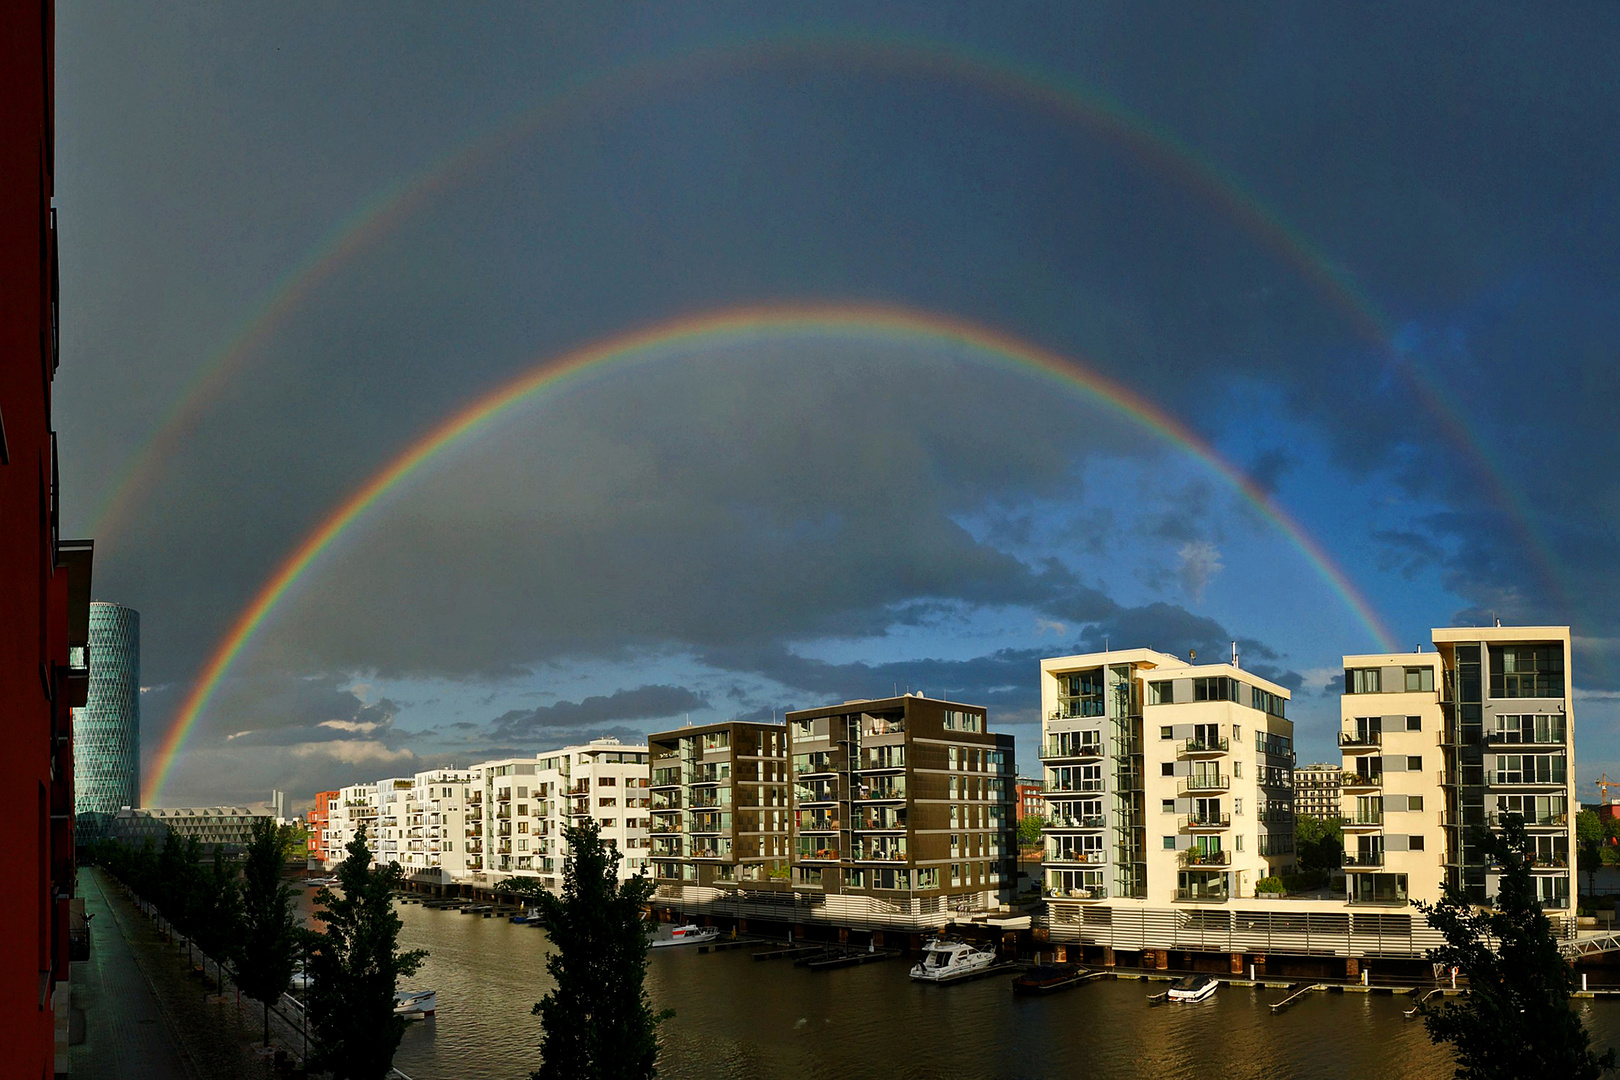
1365, 267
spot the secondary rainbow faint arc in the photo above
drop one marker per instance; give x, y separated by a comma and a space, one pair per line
1149, 144
863, 321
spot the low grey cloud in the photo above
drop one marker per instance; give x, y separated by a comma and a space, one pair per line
642, 703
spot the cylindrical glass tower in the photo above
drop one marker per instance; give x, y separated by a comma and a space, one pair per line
107, 731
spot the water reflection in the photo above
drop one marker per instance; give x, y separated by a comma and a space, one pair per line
741, 1019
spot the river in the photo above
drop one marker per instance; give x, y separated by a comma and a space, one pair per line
741, 1019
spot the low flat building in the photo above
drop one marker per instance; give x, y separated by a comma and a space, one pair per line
230, 827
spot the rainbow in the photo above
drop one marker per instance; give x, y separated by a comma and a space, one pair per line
847, 320
1152, 147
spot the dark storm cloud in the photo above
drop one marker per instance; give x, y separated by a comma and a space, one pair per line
1454, 166
643, 703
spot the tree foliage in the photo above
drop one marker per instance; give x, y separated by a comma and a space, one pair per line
1319, 843
598, 1021
1516, 1020
265, 949
1029, 829
354, 967
521, 888
1590, 840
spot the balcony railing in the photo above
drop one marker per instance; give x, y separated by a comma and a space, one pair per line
1195, 822
1360, 740
1362, 860
1364, 821
1065, 821
1205, 782
1205, 746
1205, 896
1352, 780
1531, 821
1523, 738
1057, 749
1093, 892
1199, 857
1076, 855
1075, 785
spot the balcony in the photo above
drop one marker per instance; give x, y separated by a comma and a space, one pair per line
1353, 781
1205, 747
1364, 821
821, 854
1352, 742
1363, 860
1203, 896
1557, 778
1060, 749
1085, 856
1524, 738
1094, 892
1531, 821
1200, 857
1205, 822
1206, 782
881, 792
1066, 821
1079, 785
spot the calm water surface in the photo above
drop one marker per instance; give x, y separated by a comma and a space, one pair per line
741, 1018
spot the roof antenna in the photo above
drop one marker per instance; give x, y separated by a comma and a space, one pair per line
1235, 654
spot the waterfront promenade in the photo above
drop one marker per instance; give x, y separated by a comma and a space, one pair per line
140, 1014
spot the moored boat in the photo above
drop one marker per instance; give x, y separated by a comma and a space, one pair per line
946, 961
1046, 978
1193, 988
532, 915
690, 934
415, 1004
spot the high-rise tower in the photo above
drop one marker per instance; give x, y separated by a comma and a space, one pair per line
107, 730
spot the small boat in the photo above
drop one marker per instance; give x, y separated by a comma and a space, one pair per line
1048, 977
416, 1004
532, 915
1193, 988
946, 961
320, 882
690, 934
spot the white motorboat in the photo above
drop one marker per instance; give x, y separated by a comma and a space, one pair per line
416, 1004
690, 934
1194, 988
947, 961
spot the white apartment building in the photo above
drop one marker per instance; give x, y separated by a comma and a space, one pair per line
356, 806
1166, 782
435, 823
1439, 745
523, 805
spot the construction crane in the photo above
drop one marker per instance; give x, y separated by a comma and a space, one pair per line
1603, 784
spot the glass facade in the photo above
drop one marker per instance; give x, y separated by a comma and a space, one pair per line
107, 731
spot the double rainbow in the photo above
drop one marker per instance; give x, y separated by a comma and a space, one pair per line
865, 322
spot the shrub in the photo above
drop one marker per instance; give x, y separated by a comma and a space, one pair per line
1271, 884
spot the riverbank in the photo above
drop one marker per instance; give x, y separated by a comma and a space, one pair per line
141, 1011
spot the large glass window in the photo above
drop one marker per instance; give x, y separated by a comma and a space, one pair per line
1081, 693
1377, 888
1419, 678
1527, 671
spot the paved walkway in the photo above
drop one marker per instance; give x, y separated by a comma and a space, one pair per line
145, 1016
126, 1034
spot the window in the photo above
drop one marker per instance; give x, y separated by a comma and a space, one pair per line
1166, 732
1414, 843
1419, 679
1169, 843
1362, 680
1414, 802
523, 793
1414, 763
1527, 671
1167, 768
1237, 732
1237, 769
1415, 723
1168, 806
1239, 841
1237, 806
1162, 693
606, 781
1081, 693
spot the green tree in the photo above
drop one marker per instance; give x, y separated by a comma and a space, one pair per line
354, 966
598, 1022
265, 949
527, 889
1589, 842
294, 839
1319, 843
216, 907
1029, 830
1516, 1020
